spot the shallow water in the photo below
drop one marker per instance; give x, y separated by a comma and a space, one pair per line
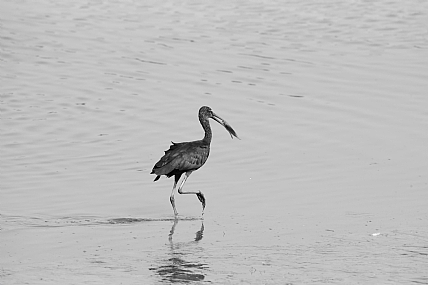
327, 186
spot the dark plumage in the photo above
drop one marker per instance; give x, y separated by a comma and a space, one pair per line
187, 157
182, 157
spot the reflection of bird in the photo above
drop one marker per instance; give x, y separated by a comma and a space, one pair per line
178, 268
187, 157
199, 234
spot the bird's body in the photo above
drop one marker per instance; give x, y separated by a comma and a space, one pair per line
187, 157
182, 157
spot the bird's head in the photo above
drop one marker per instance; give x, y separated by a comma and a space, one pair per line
206, 112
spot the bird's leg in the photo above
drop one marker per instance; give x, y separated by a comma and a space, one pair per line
171, 232
171, 198
199, 194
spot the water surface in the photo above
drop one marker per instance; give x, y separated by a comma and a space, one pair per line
327, 186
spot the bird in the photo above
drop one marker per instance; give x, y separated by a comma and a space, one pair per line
186, 157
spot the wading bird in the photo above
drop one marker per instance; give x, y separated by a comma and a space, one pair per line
187, 157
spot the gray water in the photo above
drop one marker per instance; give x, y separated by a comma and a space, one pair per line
328, 184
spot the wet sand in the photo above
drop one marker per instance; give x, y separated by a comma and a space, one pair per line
327, 186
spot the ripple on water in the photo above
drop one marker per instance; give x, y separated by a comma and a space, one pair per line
52, 222
328, 97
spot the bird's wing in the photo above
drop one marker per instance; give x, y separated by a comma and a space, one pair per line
181, 156
190, 160
175, 150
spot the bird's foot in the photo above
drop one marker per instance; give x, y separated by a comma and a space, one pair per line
201, 198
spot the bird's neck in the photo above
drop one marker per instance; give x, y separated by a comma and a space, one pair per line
207, 129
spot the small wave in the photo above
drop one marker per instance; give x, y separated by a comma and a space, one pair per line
14, 221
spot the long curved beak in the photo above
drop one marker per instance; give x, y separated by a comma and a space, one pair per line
225, 125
